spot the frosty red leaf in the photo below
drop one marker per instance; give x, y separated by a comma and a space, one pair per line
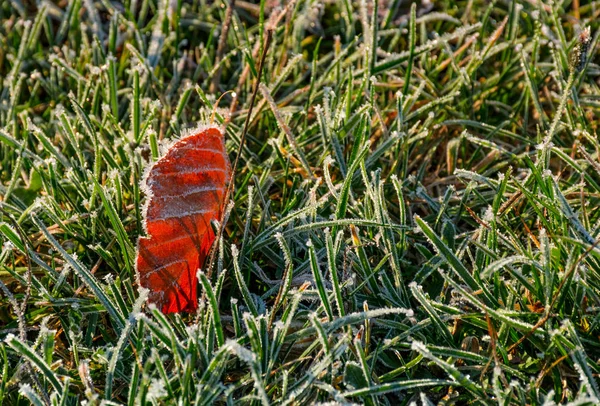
185, 188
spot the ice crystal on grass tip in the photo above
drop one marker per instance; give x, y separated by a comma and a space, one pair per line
547, 174
241, 352
488, 215
95, 70
156, 390
108, 278
8, 246
27, 391
419, 346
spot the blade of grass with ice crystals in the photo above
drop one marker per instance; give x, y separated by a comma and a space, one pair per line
398, 386
333, 273
501, 263
239, 277
318, 277
136, 111
323, 339
286, 278
112, 86
442, 328
461, 379
27, 391
249, 214
116, 353
412, 38
97, 171
455, 264
281, 329
214, 306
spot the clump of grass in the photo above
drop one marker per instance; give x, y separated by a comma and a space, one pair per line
415, 212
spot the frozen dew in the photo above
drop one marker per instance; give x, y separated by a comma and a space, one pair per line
156, 390
488, 216
8, 246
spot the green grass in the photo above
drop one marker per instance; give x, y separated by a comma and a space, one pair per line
417, 202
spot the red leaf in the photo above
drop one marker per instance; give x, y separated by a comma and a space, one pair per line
186, 188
